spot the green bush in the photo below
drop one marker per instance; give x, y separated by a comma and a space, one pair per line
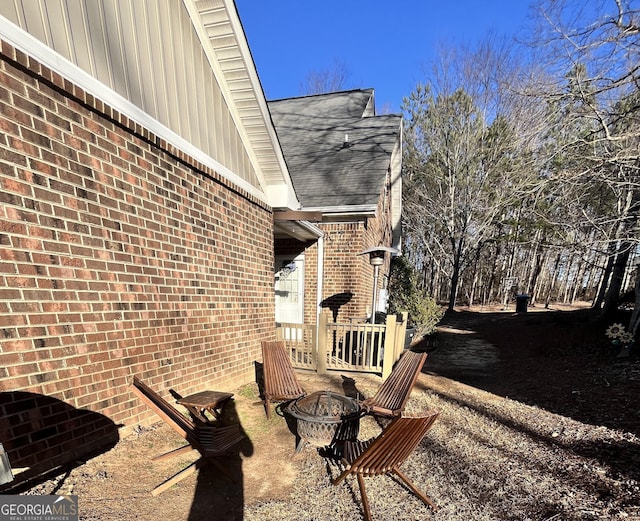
405, 295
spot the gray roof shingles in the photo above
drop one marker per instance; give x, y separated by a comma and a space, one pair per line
312, 130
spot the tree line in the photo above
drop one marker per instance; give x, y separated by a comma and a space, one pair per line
521, 163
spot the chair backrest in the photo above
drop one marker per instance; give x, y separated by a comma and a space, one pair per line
394, 445
395, 390
280, 380
181, 424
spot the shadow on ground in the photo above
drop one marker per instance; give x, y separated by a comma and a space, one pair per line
219, 492
556, 360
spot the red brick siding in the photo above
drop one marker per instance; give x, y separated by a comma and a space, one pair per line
310, 283
119, 255
43, 433
344, 270
343, 267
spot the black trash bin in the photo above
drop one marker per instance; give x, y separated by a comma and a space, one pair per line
408, 336
521, 303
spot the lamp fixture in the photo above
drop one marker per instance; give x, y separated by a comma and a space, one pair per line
377, 253
376, 259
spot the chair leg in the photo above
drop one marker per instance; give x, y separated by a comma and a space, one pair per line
300, 444
267, 408
342, 475
426, 499
173, 452
365, 499
187, 471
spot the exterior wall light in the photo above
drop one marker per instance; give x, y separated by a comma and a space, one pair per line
377, 259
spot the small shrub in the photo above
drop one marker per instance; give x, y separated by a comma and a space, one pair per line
406, 296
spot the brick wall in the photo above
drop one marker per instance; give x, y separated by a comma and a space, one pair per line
119, 256
346, 272
348, 277
311, 287
343, 285
42, 433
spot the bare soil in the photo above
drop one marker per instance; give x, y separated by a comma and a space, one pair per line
539, 420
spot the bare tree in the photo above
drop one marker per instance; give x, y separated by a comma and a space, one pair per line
463, 163
330, 79
592, 88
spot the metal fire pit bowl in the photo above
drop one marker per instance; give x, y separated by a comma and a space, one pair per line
325, 417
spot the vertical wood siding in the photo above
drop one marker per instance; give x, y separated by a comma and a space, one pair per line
148, 52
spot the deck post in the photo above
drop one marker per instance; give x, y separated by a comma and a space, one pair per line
401, 331
389, 346
321, 343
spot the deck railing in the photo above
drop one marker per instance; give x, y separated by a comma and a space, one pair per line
300, 340
337, 346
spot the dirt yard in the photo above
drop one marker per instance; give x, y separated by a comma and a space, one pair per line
558, 360
539, 421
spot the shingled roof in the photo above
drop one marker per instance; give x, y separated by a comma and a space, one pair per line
336, 149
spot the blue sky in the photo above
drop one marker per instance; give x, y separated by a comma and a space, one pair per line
384, 44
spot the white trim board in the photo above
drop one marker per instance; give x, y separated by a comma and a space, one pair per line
33, 47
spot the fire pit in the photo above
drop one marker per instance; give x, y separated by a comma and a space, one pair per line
325, 417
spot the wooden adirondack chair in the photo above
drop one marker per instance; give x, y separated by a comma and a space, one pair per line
210, 440
391, 397
385, 454
280, 381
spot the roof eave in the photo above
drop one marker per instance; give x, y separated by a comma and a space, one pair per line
363, 210
245, 97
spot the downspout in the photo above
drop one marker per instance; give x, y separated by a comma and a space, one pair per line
319, 263
320, 277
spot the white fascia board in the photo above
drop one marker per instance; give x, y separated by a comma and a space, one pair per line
369, 210
33, 47
282, 196
247, 58
311, 228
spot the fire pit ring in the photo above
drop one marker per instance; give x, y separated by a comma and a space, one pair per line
325, 417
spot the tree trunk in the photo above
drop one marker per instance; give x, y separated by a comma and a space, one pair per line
535, 276
491, 290
606, 275
477, 275
634, 322
617, 276
552, 281
577, 283
568, 278
455, 275
453, 291
533, 268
